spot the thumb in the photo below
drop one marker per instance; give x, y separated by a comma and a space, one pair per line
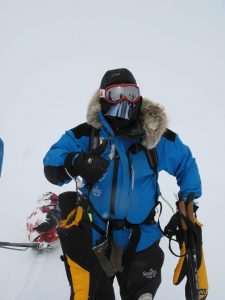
99, 150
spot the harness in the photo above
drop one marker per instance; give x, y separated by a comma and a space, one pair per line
116, 224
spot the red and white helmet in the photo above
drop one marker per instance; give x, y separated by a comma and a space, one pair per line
47, 200
46, 206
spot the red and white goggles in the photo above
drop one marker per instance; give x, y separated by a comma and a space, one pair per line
116, 93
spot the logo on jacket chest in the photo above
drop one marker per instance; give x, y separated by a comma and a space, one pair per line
96, 191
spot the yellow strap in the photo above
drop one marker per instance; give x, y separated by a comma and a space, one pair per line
73, 218
202, 274
178, 268
202, 277
198, 223
80, 280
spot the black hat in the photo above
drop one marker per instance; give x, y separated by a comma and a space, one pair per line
117, 76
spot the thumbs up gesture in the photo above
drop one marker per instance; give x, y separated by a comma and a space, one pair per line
91, 166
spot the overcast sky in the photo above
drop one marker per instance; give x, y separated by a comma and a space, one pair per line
53, 55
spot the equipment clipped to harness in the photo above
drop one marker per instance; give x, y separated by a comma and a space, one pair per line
111, 262
187, 229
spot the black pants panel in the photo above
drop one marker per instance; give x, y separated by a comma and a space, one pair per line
141, 277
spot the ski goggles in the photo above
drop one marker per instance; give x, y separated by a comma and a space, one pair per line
116, 93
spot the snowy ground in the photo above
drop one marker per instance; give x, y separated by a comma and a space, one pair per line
53, 54
33, 274
33, 269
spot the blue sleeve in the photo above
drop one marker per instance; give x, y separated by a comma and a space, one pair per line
54, 160
1, 154
65, 145
176, 159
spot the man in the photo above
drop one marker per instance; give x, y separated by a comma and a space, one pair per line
120, 176
1, 154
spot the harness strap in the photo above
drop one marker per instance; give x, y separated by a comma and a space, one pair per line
98, 229
94, 141
115, 224
132, 245
152, 157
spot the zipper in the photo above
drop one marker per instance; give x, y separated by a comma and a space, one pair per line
114, 182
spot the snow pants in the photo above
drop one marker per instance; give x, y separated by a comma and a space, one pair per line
141, 276
139, 279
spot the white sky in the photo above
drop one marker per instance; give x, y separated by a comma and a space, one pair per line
53, 55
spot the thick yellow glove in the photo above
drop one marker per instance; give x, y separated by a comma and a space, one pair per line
181, 269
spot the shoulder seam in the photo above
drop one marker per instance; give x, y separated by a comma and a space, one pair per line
81, 130
170, 135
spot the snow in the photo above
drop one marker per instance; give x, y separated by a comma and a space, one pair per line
52, 56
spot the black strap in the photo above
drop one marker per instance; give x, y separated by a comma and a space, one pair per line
150, 153
94, 140
114, 183
98, 229
132, 245
153, 159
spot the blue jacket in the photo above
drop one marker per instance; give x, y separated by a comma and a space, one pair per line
1, 154
136, 180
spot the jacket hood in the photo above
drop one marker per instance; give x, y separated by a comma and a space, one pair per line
152, 117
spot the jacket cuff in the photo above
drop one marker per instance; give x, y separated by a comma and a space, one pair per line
69, 163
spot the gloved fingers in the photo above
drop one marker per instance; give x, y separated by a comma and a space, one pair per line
102, 167
94, 169
98, 165
104, 163
94, 174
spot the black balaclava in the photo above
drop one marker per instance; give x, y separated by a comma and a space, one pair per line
119, 125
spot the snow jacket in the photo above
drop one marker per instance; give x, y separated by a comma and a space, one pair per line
1, 154
130, 194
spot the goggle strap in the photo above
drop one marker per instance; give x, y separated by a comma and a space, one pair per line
102, 93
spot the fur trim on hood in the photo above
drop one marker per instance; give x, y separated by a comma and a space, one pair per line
152, 117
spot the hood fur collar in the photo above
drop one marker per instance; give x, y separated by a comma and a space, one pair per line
152, 117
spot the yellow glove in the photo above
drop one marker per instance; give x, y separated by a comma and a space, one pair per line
181, 269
